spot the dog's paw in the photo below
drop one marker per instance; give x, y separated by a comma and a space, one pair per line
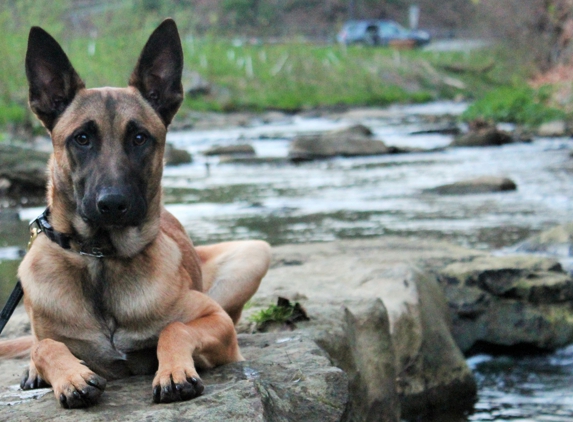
179, 385
79, 389
31, 380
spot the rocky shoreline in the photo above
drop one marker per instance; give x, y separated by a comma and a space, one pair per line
389, 320
23, 175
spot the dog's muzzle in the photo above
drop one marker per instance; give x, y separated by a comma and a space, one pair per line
113, 207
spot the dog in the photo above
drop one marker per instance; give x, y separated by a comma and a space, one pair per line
112, 284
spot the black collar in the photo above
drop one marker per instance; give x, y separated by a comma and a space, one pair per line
70, 242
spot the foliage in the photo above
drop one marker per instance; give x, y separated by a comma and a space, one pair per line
273, 313
290, 75
522, 105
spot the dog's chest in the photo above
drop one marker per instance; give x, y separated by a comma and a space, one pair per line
125, 302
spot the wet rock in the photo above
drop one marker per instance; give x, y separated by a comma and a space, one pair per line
381, 319
482, 138
553, 129
508, 301
23, 174
239, 149
233, 159
557, 242
174, 156
485, 184
284, 378
447, 130
348, 142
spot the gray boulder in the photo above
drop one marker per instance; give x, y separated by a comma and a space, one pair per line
252, 160
484, 184
557, 241
482, 137
349, 142
23, 174
509, 301
380, 318
285, 378
239, 149
175, 156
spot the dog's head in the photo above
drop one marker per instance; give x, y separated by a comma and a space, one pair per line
108, 142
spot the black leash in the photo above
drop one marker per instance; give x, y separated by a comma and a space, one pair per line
36, 227
11, 304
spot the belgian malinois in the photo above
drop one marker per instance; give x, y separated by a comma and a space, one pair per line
113, 285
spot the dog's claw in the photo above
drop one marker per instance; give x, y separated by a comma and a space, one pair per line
183, 391
75, 397
97, 382
63, 401
32, 382
157, 394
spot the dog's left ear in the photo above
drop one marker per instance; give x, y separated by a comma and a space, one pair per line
157, 74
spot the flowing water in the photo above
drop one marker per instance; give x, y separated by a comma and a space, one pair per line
374, 196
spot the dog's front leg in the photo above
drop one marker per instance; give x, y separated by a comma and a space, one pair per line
74, 384
211, 339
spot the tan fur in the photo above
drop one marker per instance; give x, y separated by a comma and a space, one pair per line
157, 299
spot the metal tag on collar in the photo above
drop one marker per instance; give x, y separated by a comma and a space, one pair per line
35, 230
94, 252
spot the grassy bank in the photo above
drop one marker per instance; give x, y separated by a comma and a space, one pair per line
288, 76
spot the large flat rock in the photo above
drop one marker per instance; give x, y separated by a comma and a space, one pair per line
285, 378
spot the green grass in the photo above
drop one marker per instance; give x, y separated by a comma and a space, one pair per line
519, 104
273, 313
289, 76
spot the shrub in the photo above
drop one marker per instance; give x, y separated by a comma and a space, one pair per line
521, 105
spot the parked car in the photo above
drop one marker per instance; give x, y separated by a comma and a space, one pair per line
380, 32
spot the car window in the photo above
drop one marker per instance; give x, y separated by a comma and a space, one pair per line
389, 29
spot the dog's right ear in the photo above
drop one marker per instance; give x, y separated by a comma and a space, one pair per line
52, 80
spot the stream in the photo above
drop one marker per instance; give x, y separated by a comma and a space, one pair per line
375, 196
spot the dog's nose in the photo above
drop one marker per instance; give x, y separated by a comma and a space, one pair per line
112, 205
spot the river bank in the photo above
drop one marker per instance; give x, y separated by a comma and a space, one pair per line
362, 197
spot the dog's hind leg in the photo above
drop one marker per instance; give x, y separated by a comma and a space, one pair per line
74, 384
232, 272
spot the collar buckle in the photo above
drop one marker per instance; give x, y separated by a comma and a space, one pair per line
35, 230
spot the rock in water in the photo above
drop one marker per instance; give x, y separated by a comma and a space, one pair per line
509, 301
349, 142
485, 184
238, 149
482, 138
175, 156
23, 174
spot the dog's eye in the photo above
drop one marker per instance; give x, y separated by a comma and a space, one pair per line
82, 139
139, 139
